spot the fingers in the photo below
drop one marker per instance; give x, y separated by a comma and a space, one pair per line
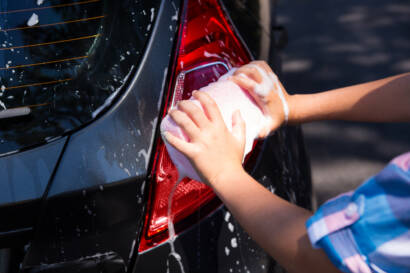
194, 112
271, 126
250, 72
209, 105
249, 85
186, 124
244, 82
179, 144
263, 65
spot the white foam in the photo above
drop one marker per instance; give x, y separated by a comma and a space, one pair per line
171, 230
152, 14
229, 97
227, 216
175, 16
4, 107
230, 227
227, 251
33, 20
269, 81
234, 242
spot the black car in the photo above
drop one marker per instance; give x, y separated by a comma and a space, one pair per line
84, 176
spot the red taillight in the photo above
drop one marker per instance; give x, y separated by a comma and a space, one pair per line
207, 48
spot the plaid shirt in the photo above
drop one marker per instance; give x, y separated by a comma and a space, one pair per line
368, 230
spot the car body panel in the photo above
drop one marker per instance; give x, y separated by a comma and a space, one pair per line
218, 243
92, 216
100, 182
24, 179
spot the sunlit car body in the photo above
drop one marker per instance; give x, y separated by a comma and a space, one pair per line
81, 188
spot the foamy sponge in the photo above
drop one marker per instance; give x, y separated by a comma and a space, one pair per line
229, 97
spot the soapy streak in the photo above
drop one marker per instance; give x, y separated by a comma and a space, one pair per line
171, 229
267, 84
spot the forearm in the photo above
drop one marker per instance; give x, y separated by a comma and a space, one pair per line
385, 100
275, 224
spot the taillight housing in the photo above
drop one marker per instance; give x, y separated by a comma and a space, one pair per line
207, 48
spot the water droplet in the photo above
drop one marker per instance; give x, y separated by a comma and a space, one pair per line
227, 251
227, 216
230, 227
234, 243
33, 20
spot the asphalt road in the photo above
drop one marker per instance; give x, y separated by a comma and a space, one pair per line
338, 43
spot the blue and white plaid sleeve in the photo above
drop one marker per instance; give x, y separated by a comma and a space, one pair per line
368, 230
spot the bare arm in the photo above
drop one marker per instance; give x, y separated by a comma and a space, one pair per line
275, 224
385, 100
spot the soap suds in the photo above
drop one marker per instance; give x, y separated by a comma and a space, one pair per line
221, 91
268, 82
227, 251
175, 16
230, 227
234, 243
152, 14
227, 216
33, 20
171, 230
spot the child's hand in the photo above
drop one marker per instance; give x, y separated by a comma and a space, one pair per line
212, 149
262, 84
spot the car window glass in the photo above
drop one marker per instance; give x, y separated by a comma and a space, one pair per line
63, 61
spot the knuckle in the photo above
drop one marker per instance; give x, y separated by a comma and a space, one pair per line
184, 106
204, 97
173, 114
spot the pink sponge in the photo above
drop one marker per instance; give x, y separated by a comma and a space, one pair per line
229, 97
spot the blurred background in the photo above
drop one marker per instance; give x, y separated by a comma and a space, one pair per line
338, 43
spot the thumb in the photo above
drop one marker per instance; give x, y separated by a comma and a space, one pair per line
239, 128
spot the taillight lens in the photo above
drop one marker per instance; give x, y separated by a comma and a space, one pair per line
207, 48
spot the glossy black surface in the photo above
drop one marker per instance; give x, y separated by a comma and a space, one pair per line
218, 243
25, 177
91, 215
95, 203
100, 263
68, 64
254, 20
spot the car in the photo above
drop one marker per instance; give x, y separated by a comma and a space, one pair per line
85, 179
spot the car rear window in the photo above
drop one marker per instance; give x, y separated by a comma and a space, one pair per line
62, 62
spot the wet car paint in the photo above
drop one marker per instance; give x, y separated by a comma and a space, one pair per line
24, 179
100, 181
218, 243
92, 215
